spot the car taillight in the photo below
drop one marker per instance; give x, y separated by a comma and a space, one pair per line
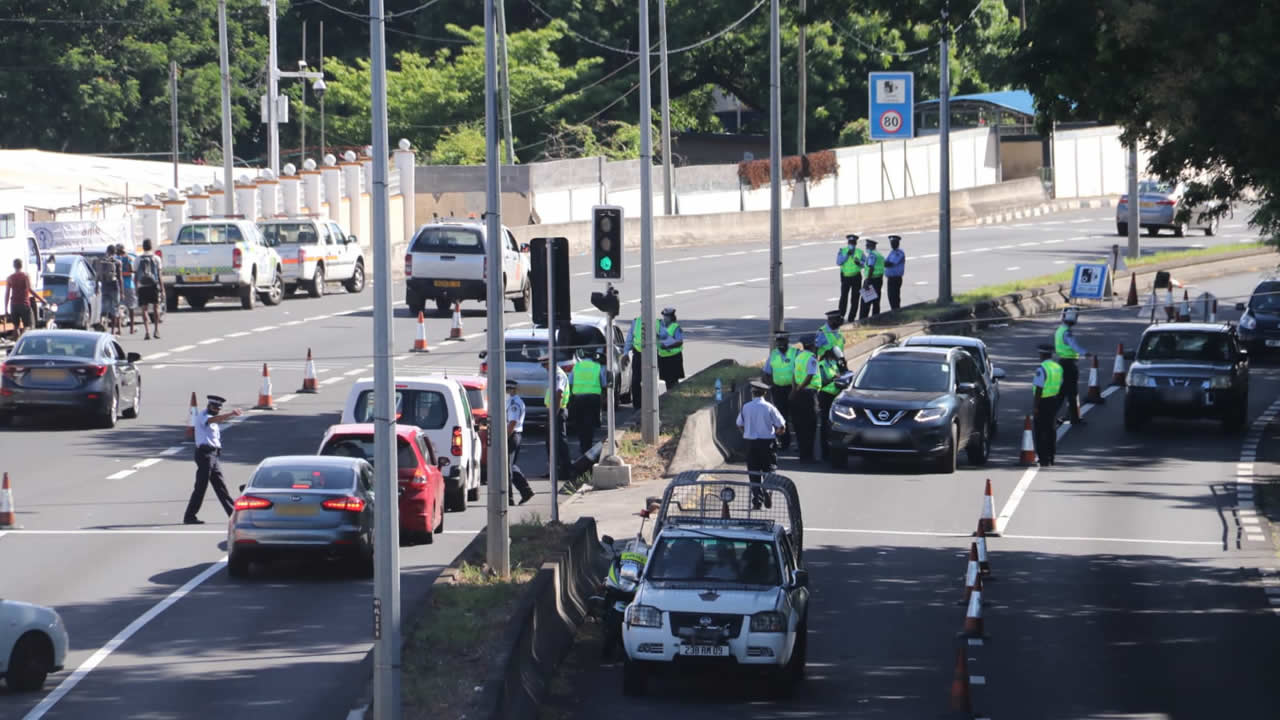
455, 446
1124, 199
1167, 202
408, 264
92, 371
252, 502
484, 368
160, 254
344, 504
485, 275
9, 371
236, 258
73, 294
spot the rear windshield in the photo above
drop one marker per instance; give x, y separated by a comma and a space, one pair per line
1201, 346
894, 373
1266, 298
281, 233
1155, 186
749, 562
303, 478
56, 287
427, 409
453, 241
55, 345
527, 351
209, 235
361, 446
476, 398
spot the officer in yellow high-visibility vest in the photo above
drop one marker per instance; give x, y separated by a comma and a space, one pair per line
558, 402
779, 372
670, 349
804, 403
829, 369
1048, 398
873, 277
829, 335
637, 362
849, 260
1069, 353
587, 382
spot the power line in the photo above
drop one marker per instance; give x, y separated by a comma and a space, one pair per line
906, 53
627, 51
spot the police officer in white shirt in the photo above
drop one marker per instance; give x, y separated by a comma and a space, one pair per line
515, 432
208, 448
761, 423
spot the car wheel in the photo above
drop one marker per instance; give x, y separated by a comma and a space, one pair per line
980, 449
1180, 229
440, 525
364, 565
800, 654
1133, 419
1122, 229
248, 294
442, 307
839, 458
238, 564
947, 463
316, 288
416, 304
135, 407
275, 294
473, 494
110, 411
171, 301
455, 499
634, 678
1153, 231
30, 662
1212, 228
197, 302
521, 304
356, 282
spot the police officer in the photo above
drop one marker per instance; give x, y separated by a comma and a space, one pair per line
829, 369
670, 349
761, 423
585, 387
208, 449
558, 402
849, 260
779, 371
637, 362
515, 434
804, 403
895, 266
1048, 398
1069, 352
873, 266
829, 334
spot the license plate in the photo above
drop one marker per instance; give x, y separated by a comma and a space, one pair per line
704, 650
1148, 204
1273, 343
46, 293
198, 278
295, 510
448, 283
1183, 396
48, 374
876, 435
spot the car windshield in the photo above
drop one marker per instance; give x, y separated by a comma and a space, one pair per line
298, 477
1266, 298
208, 234
1155, 186
281, 233
56, 345
1196, 346
361, 446
750, 562
425, 408
527, 351
896, 373
449, 240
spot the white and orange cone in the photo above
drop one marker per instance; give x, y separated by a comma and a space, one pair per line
420, 342
960, 700
1117, 370
264, 395
973, 615
1028, 456
1095, 392
309, 385
984, 563
987, 522
8, 516
190, 432
455, 329
971, 573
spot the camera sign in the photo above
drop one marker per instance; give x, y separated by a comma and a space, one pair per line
892, 105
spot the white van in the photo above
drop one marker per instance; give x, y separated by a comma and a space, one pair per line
438, 405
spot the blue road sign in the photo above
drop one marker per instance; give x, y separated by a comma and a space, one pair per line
1089, 281
893, 99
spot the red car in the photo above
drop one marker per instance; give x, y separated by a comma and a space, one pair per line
477, 398
418, 470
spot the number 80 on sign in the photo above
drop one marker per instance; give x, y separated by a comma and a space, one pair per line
891, 121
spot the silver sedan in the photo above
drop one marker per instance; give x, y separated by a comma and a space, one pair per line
1161, 207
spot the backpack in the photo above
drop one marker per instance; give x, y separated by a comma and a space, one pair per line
107, 270
148, 275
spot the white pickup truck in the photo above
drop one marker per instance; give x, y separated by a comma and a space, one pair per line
221, 258
446, 262
314, 253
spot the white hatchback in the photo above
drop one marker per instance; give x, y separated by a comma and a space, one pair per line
438, 406
33, 643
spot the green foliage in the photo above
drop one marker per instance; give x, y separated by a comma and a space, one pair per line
857, 132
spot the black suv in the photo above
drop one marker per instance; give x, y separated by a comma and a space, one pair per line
1195, 370
918, 402
1260, 323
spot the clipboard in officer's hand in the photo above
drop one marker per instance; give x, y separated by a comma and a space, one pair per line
869, 294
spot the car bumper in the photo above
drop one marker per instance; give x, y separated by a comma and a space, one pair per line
415, 511
1196, 402
659, 646
1260, 338
20, 400
904, 438
256, 539
447, 289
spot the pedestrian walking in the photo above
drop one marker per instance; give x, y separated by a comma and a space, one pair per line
1048, 384
20, 300
873, 266
895, 266
779, 371
637, 363
107, 270
558, 402
829, 334
804, 403
515, 434
586, 385
208, 433
829, 369
128, 293
761, 423
849, 260
1069, 352
148, 275
670, 349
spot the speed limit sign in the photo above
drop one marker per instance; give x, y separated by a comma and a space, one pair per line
891, 98
891, 121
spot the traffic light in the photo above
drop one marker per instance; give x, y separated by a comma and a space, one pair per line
606, 242
607, 301
538, 278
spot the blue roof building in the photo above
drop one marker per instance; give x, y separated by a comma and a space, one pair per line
1012, 111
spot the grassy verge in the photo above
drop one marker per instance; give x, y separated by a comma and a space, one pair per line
453, 644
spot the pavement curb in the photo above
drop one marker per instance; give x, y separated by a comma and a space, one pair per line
1046, 208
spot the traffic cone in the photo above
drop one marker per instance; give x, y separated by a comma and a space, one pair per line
455, 329
960, 700
309, 376
1028, 456
1095, 392
420, 343
1117, 369
190, 432
1132, 300
987, 523
8, 518
971, 573
264, 395
984, 564
973, 616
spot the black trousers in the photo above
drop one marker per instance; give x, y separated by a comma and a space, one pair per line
761, 459
1045, 428
518, 480
1071, 387
208, 472
849, 287
780, 396
585, 411
804, 413
636, 374
563, 461
825, 400
870, 309
895, 292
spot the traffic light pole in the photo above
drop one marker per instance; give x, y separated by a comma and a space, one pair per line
553, 404
612, 391
649, 352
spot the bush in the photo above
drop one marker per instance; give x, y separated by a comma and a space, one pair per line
814, 167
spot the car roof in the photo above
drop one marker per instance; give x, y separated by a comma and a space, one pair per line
403, 431
689, 530
311, 460
425, 381
58, 332
540, 333
919, 352
1192, 327
944, 341
471, 381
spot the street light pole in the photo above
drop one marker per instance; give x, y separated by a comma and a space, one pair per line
1135, 245
944, 162
323, 147
504, 83
776, 321
273, 89
228, 152
649, 362
668, 190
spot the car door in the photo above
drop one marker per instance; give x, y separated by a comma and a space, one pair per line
340, 249
971, 404
88, 284
471, 438
126, 372
512, 261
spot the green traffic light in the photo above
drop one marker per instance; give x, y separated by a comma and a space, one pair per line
606, 263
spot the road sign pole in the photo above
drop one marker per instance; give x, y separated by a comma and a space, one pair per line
553, 402
228, 151
1135, 245
776, 322
944, 164
612, 390
649, 354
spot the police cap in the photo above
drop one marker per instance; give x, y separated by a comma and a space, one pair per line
217, 400
759, 385
668, 311
895, 238
871, 243
512, 384
834, 314
851, 237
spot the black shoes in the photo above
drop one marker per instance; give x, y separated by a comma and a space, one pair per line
192, 521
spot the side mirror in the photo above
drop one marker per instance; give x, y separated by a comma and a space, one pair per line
799, 578
241, 488
1240, 306
998, 373
351, 240
606, 539
843, 382
966, 388
524, 247
442, 463
483, 354
1130, 355
133, 357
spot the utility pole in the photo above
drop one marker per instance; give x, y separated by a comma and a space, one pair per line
273, 89
302, 120
776, 321
498, 544
802, 88
228, 152
173, 115
386, 585
323, 148
649, 363
1135, 245
944, 162
668, 189
504, 82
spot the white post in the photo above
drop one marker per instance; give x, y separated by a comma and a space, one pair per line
366, 162
217, 200
352, 184
268, 194
246, 198
289, 187
332, 181
175, 209
404, 160
311, 187
150, 210
199, 200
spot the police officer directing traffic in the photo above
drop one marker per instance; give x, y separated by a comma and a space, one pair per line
1069, 352
515, 433
588, 381
779, 371
895, 266
873, 264
558, 402
761, 423
849, 260
1048, 398
804, 403
670, 349
208, 448
637, 362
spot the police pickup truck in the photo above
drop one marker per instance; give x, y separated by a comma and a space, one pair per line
446, 263
724, 585
314, 253
221, 258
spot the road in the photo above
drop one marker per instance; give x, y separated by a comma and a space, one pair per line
1128, 580
101, 510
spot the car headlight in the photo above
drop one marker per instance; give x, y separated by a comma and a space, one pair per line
928, 414
644, 616
768, 622
1138, 379
1248, 321
848, 412
1220, 382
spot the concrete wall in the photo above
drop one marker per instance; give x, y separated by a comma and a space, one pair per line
1092, 161
1021, 158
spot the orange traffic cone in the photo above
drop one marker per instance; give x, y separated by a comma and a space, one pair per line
1028, 456
455, 330
984, 565
971, 573
264, 395
973, 616
1117, 369
309, 376
190, 432
987, 523
1132, 300
960, 700
420, 343
1095, 392
8, 517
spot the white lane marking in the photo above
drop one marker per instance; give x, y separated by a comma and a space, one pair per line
210, 341
868, 531
237, 334
121, 474
216, 367
1004, 247
334, 380
1027, 244
930, 255
1053, 242
291, 323
182, 348
580, 274
121, 637
131, 531
663, 295
791, 307
831, 299
1012, 267
967, 275
286, 398
707, 287
143, 464
1079, 538
744, 317
357, 371
1010, 505
1059, 262
740, 252
980, 250
678, 292
153, 356
663, 262
264, 328
711, 256
171, 451
922, 282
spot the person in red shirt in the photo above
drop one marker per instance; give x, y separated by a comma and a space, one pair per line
17, 298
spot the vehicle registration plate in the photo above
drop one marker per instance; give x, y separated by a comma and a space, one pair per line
1273, 343
1184, 396
877, 435
48, 374
704, 650
448, 283
1148, 204
46, 293
197, 278
295, 510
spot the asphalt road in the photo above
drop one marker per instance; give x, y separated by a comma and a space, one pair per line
1129, 581
101, 510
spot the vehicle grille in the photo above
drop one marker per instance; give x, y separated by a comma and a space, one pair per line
687, 620
891, 416
1180, 382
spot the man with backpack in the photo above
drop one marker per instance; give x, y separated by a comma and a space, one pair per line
128, 290
147, 276
107, 268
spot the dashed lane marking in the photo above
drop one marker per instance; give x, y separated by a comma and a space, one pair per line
237, 334
153, 356
215, 367
210, 341
1081, 538
122, 474
182, 348
146, 463
748, 317
357, 371
171, 450
286, 398
110, 531
331, 380
264, 328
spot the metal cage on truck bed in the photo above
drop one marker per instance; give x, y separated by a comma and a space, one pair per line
697, 496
